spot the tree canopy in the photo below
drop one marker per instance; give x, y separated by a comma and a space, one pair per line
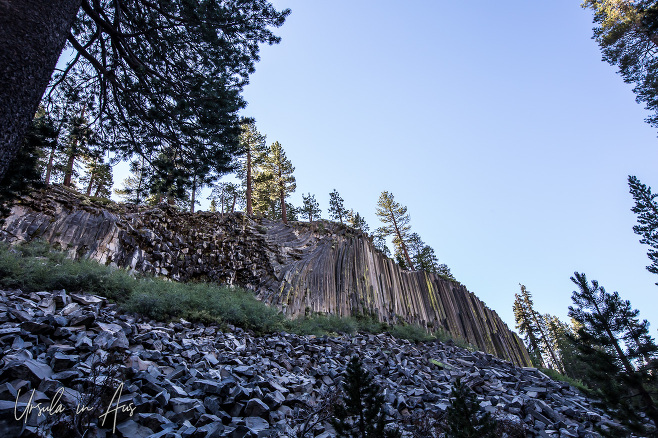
167, 76
626, 31
395, 218
623, 357
646, 209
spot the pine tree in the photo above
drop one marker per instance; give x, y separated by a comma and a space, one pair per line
77, 145
627, 35
310, 207
24, 174
226, 195
356, 221
97, 179
134, 190
379, 240
278, 172
463, 418
396, 224
528, 323
360, 414
646, 209
337, 210
621, 354
399, 259
253, 151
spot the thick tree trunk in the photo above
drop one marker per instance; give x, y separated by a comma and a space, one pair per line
32, 36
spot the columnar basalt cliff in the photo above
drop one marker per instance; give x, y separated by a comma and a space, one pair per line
300, 267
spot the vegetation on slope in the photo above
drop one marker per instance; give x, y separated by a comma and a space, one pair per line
35, 266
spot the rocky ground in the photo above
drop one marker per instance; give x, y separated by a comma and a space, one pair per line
300, 267
71, 360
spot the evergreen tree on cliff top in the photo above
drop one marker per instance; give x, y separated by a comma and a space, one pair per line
337, 210
310, 207
277, 175
166, 73
623, 357
356, 221
396, 224
253, 151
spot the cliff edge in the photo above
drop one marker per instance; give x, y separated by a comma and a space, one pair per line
301, 267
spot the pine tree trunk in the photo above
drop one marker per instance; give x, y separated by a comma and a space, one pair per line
404, 247
283, 206
91, 183
69, 165
49, 167
282, 192
193, 194
32, 36
248, 191
544, 338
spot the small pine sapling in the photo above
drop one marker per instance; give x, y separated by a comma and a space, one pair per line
360, 414
463, 419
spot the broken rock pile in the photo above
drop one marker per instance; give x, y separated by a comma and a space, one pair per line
74, 362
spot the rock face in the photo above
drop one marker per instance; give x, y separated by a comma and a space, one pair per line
182, 380
319, 267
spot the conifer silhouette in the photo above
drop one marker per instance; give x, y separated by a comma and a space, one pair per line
462, 417
360, 414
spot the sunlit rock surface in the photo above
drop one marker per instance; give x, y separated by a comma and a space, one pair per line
300, 267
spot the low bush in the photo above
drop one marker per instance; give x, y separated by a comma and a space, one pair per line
35, 266
562, 378
321, 324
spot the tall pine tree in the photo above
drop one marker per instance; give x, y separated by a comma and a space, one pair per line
277, 176
396, 224
533, 326
337, 210
621, 354
253, 151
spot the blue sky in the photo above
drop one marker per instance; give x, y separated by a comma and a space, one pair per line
495, 123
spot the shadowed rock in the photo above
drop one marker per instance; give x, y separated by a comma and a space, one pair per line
321, 267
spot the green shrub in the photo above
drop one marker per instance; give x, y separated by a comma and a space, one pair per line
562, 378
321, 324
35, 267
411, 332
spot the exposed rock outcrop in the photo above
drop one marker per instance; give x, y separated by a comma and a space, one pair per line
301, 267
177, 379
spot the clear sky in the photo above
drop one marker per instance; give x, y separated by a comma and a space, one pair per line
495, 123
